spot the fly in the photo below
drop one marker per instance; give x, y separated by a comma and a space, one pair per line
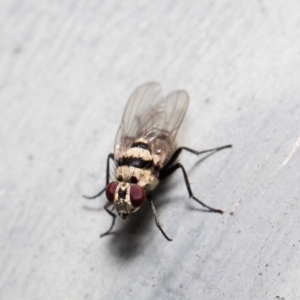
145, 152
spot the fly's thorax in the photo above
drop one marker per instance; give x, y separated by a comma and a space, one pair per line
137, 166
138, 153
147, 179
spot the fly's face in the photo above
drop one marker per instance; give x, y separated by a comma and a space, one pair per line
125, 197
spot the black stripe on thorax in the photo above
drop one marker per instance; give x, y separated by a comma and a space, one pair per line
140, 145
136, 162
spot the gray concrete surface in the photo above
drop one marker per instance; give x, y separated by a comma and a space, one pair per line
66, 71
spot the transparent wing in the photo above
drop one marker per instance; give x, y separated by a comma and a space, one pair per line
150, 116
173, 107
139, 106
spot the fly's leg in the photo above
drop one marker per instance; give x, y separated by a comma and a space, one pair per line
157, 221
165, 173
106, 206
110, 156
178, 151
93, 197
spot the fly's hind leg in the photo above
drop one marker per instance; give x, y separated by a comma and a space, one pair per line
178, 151
165, 173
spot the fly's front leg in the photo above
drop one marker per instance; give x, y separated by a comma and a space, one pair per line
106, 206
156, 219
165, 173
178, 151
110, 156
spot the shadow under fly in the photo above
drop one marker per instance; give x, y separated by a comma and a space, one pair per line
146, 153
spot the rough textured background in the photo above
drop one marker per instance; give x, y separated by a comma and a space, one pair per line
67, 69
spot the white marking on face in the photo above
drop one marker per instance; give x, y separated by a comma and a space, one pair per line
123, 205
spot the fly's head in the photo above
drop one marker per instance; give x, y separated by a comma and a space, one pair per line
125, 197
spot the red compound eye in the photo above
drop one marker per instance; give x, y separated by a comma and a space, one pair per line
110, 191
137, 195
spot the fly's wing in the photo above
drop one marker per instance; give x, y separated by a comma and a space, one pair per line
173, 108
140, 106
151, 117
